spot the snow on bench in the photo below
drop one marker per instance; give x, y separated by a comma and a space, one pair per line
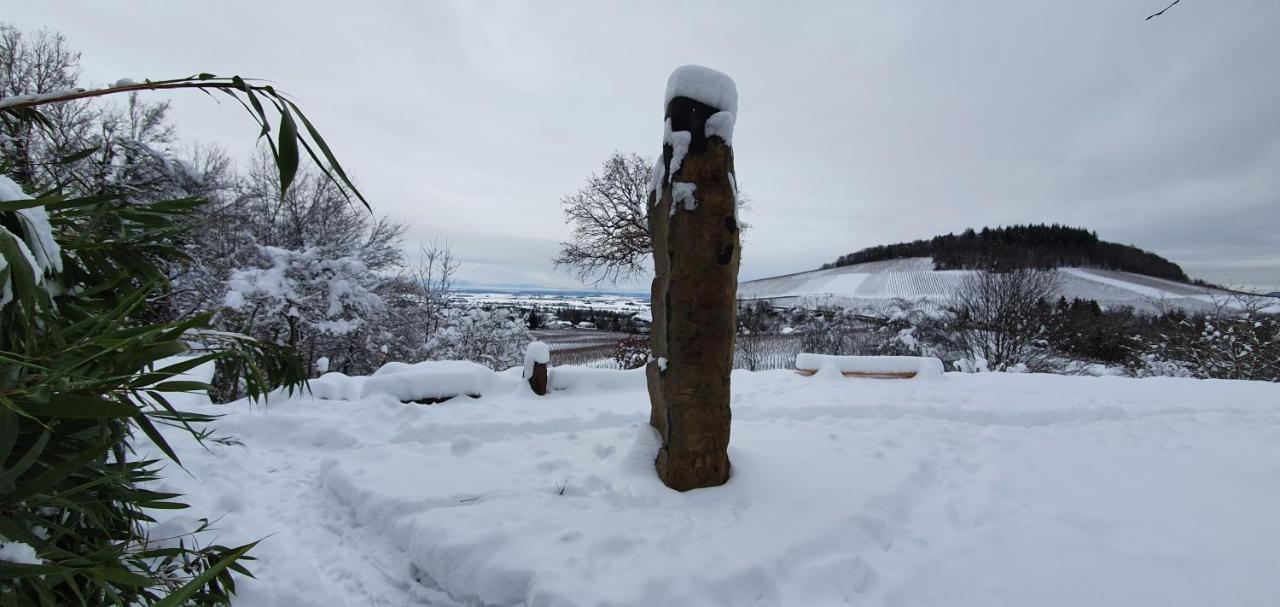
884, 367
425, 382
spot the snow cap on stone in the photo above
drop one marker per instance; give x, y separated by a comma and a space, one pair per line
703, 84
536, 352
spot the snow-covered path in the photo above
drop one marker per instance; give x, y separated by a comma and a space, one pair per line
988, 489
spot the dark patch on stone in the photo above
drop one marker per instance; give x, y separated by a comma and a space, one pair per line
689, 115
731, 224
538, 380
726, 255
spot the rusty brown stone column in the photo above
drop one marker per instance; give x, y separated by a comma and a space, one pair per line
694, 225
538, 379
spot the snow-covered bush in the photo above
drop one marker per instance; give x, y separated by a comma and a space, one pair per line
310, 271
1239, 338
632, 352
316, 301
93, 340
495, 338
305, 291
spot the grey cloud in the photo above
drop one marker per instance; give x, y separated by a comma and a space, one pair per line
860, 123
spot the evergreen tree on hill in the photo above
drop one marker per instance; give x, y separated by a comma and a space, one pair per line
1036, 246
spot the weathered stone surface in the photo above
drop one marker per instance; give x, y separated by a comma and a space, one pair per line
696, 256
538, 379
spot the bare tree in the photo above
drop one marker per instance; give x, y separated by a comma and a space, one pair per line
1162, 11
610, 238
31, 64
609, 215
434, 276
998, 316
417, 300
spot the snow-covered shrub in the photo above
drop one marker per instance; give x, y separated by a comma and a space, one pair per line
308, 290
92, 333
495, 338
314, 272
1239, 338
317, 301
632, 352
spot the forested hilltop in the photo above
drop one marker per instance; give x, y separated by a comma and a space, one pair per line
1022, 246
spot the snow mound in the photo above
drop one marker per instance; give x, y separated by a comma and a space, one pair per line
704, 84
924, 367
536, 352
986, 489
432, 380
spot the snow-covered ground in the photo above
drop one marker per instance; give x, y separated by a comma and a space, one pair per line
986, 489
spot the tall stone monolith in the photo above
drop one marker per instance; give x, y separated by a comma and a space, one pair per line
694, 225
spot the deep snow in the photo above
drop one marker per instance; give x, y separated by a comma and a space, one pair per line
985, 489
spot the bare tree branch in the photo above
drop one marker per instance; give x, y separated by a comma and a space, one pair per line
610, 239
1162, 10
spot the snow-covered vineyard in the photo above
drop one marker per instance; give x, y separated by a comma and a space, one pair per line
877, 284
955, 489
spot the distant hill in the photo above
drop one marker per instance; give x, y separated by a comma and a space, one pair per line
878, 286
1022, 246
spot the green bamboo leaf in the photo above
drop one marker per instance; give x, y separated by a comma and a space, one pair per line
56, 474
180, 596
10, 475
118, 576
79, 406
77, 155
182, 386
150, 430
17, 205
328, 154
288, 162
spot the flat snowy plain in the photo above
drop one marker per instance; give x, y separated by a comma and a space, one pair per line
986, 489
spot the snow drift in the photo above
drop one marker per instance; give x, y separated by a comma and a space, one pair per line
987, 489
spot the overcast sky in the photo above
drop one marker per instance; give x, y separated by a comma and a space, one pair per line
860, 123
